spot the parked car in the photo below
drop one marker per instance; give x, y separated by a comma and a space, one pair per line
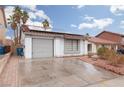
120, 51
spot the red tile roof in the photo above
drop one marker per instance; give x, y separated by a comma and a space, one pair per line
110, 33
100, 41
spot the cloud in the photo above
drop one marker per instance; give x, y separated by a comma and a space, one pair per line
96, 23
8, 37
80, 6
73, 25
88, 18
41, 14
30, 7
117, 9
8, 11
35, 15
35, 23
32, 15
122, 24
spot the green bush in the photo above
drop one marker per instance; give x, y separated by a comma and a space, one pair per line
102, 52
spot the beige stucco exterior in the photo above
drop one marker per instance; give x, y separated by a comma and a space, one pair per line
2, 24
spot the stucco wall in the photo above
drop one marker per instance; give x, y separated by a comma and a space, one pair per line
94, 49
81, 47
28, 47
58, 47
85, 47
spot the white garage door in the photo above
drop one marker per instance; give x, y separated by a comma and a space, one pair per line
42, 48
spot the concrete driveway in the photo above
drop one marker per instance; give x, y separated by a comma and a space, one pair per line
61, 72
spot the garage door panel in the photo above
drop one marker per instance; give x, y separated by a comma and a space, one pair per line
42, 48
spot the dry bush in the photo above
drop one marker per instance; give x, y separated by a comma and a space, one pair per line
111, 56
102, 52
121, 59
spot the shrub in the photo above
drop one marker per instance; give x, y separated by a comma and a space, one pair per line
103, 52
121, 59
110, 55
113, 57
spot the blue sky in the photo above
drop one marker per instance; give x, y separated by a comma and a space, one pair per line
76, 19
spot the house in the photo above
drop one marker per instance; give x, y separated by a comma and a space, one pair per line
115, 37
94, 43
3, 25
38, 43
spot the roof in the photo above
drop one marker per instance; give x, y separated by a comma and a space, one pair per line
110, 33
2, 8
100, 41
39, 31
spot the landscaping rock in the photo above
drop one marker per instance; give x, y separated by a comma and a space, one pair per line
104, 64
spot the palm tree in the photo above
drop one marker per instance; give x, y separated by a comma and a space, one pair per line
24, 19
16, 20
17, 16
17, 13
13, 25
45, 24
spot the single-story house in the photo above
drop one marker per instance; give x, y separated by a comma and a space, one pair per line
111, 36
38, 43
95, 43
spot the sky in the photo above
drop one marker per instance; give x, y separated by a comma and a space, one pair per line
76, 19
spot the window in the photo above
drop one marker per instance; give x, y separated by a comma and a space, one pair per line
71, 45
75, 45
68, 45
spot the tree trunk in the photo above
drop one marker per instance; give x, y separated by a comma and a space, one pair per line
20, 35
17, 33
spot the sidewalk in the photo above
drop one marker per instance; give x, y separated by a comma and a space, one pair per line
9, 76
117, 82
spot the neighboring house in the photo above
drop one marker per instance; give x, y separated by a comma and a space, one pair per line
3, 25
95, 43
115, 37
